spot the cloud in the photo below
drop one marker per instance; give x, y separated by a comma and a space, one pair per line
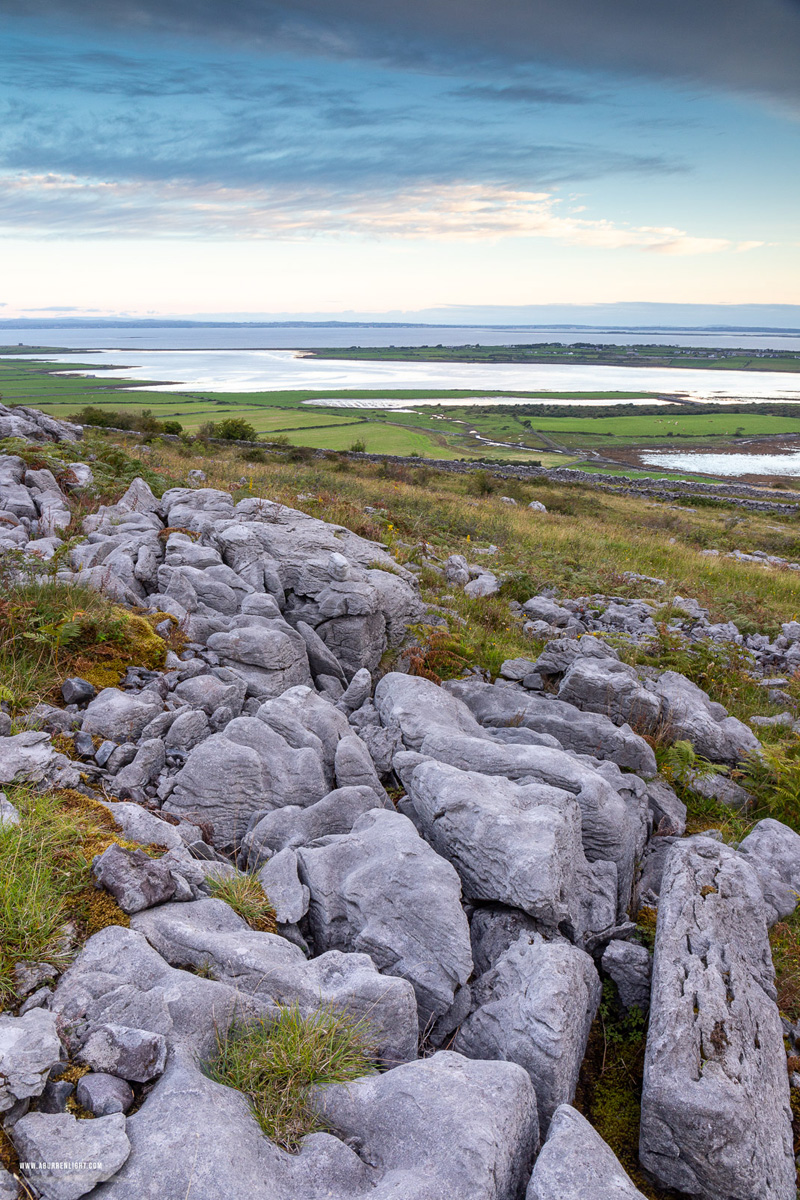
521, 93
736, 44
332, 139
54, 204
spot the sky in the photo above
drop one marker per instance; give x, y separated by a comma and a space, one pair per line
179, 157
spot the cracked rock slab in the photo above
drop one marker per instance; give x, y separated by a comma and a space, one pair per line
519, 844
716, 1118
29, 1047
208, 935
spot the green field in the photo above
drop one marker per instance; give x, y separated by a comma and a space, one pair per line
643, 355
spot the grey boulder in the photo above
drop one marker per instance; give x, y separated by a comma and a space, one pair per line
576, 1164
29, 757
441, 1128
133, 1054
120, 716
208, 935
382, 890
611, 829
29, 1047
418, 707
716, 1119
95, 1150
519, 844
773, 851
628, 964
103, 1094
585, 733
335, 813
135, 880
287, 895
246, 769
535, 1007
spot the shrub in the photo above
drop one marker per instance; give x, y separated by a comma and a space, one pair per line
277, 1062
359, 447
231, 429
109, 418
480, 483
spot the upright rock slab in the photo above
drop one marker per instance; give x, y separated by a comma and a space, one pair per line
716, 1119
519, 844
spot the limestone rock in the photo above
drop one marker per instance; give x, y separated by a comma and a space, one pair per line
133, 1054
535, 1007
576, 1164
773, 851
716, 1119
585, 733
513, 843
102, 1094
287, 895
418, 707
29, 1047
441, 1128
120, 716
335, 813
99, 1146
209, 935
246, 769
382, 890
629, 966
135, 880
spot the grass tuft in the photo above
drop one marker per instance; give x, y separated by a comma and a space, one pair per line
277, 1062
246, 897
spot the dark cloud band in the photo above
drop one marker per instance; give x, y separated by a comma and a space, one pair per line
733, 43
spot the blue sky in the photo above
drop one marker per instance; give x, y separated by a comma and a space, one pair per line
171, 158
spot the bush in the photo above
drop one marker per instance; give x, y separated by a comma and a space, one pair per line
277, 1062
480, 483
231, 429
109, 418
359, 447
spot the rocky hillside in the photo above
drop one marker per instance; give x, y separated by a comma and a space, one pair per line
282, 825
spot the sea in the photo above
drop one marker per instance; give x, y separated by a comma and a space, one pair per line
230, 358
